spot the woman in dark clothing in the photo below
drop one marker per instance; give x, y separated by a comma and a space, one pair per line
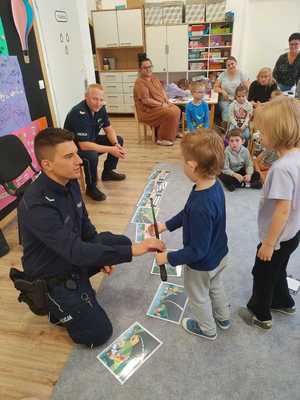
261, 89
287, 67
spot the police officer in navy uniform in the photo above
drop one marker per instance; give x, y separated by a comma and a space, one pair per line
86, 119
62, 247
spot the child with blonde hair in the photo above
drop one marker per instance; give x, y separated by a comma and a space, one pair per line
240, 112
279, 211
261, 89
197, 111
203, 220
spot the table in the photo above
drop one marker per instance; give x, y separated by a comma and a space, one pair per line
210, 100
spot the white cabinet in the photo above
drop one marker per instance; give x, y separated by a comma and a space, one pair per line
167, 47
118, 28
177, 48
156, 41
130, 27
106, 29
118, 91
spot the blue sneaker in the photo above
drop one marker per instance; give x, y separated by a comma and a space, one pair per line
226, 324
191, 326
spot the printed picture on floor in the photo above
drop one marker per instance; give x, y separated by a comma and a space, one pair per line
168, 303
129, 351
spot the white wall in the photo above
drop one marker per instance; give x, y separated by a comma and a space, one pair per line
67, 52
268, 25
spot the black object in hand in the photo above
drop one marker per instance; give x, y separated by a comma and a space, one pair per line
162, 268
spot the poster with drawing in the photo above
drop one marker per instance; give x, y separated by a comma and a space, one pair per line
26, 135
14, 111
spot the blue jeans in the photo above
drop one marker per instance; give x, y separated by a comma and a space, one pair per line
285, 88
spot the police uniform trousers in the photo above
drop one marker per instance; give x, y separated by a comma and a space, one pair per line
73, 303
90, 160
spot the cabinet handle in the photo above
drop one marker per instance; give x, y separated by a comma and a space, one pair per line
112, 87
111, 44
126, 44
109, 97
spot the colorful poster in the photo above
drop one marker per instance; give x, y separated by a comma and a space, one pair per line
3, 44
27, 137
14, 111
168, 303
129, 352
143, 215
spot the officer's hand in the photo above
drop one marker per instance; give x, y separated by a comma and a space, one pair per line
118, 151
161, 228
151, 244
108, 270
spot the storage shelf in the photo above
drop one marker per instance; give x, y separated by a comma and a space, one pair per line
207, 59
210, 34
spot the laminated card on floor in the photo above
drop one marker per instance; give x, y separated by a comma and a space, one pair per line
129, 352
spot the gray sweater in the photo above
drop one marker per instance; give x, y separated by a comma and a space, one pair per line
234, 161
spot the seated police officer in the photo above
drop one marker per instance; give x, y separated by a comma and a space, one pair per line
62, 247
86, 119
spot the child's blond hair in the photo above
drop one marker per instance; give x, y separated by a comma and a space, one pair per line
266, 70
276, 93
205, 147
241, 89
279, 119
197, 85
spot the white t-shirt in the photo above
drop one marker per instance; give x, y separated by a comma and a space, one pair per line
282, 183
229, 84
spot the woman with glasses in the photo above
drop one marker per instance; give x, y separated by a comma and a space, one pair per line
287, 67
153, 107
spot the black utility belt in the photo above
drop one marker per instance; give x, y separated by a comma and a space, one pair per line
35, 293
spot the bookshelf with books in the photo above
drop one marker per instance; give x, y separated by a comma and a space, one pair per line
209, 45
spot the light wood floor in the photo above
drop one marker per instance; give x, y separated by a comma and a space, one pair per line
32, 352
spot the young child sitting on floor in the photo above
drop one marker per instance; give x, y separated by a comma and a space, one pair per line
279, 212
240, 112
197, 111
238, 167
203, 220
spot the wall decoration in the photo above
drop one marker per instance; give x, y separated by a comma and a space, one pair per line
26, 135
23, 18
3, 44
14, 111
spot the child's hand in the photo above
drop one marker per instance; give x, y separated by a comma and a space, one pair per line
161, 228
151, 244
265, 252
239, 177
161, 258
247, 178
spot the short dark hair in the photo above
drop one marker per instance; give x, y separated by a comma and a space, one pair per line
231, 58
47, 139
294, 36
235, 132
205, 147
141, 60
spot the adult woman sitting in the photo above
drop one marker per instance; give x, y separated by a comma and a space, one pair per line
287, 68
226, 85
153, 107
261, 89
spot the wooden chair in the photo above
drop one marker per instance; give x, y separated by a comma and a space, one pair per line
143, 127
82, 179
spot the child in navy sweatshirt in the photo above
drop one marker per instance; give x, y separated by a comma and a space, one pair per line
203, 221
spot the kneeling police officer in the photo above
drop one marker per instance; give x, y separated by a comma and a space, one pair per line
62, 248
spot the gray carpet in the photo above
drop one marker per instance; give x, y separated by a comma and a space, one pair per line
244, 363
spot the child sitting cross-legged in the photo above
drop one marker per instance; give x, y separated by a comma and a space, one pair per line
203, 220
197, 111
238, 167
240, 112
